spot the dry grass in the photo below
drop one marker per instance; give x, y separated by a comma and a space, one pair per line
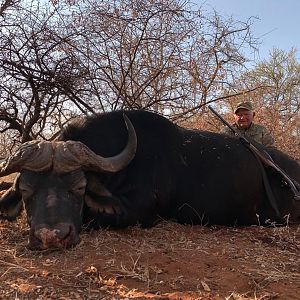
169, 261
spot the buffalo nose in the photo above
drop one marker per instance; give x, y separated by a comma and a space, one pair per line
46, 234
59, 236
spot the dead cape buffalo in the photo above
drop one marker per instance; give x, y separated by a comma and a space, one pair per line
103, 171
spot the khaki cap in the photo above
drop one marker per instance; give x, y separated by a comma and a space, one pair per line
244, 105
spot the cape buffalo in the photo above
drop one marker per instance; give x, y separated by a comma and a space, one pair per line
103, 171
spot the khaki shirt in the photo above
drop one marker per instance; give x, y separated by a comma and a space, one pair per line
256, 132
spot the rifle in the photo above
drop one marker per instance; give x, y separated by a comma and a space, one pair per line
265, 160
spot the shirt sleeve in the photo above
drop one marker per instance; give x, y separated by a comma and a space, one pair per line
267, 138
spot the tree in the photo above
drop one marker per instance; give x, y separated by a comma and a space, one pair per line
36, 74
61, 58
160, 56
5, 5
279, 103
275, 86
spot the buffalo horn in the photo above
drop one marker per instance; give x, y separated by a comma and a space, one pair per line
68, 156
71, 155
34, 156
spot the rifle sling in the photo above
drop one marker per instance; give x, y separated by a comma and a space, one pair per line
294, 185
267, 186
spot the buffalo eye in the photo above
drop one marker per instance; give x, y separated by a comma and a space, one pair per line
79, 187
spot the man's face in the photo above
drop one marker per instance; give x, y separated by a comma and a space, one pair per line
243, 118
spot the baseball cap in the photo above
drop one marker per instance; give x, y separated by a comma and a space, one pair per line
244, 105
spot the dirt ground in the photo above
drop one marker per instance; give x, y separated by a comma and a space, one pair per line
169, 261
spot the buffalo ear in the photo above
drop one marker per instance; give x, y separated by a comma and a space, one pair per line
11, 202
99, 199
92, 205
95, 187
96, 194
104, 204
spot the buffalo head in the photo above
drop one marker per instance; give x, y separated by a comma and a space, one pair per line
51, 186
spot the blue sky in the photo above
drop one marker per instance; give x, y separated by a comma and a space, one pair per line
277, 26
